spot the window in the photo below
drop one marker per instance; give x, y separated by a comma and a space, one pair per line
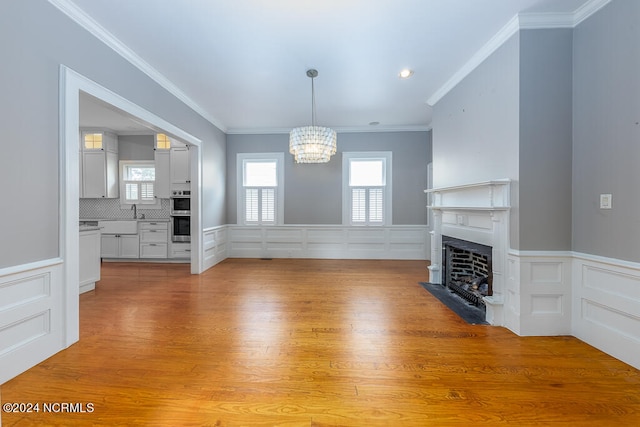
260, 188
367, 188
92, 141
137, 183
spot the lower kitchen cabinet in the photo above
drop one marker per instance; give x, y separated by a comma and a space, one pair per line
120, 246
154, 237
89, 259
180, 250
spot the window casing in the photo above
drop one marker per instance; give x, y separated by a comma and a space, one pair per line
260, 188
137, 184
366, 188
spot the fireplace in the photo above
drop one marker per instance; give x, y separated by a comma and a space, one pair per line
471, 224
467, 269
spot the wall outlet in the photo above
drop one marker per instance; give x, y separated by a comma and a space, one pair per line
606, 201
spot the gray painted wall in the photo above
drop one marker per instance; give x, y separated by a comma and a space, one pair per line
545, 139
476, 127
42, 38
313, 192
606, 146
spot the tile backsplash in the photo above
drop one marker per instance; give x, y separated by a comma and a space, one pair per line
110, 209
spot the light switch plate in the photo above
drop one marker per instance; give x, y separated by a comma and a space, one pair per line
605, 201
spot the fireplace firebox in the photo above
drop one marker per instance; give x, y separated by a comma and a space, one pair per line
467, 269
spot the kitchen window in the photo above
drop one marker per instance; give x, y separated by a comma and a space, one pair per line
366, 188
137, 184
260, 188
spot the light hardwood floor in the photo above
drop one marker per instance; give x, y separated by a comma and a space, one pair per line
310, 343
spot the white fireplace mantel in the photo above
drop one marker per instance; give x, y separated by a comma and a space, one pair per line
477, 212
486, 195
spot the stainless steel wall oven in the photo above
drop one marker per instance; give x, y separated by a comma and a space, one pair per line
180, 202
180, 228
180, 216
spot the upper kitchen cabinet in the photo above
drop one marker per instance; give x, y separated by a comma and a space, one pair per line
162, 155
180, 169
99, 157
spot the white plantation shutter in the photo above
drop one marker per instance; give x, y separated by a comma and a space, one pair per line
260, 205
268, 211
251, 205
139, 192
358, 205
131, 191
376, 205
146, 191
367, 205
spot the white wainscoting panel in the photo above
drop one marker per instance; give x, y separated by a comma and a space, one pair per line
31, 322
214, 242
329, 242
606, 306
539, 293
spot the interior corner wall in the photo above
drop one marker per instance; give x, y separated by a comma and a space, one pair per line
606, 130
545, 139
476, 127
41, 39
313, 192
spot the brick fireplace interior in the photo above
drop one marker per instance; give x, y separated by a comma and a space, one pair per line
467, 269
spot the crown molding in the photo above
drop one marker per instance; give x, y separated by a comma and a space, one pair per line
536, 21
92, 26
522, 21
355, 129
478, 58
588, 9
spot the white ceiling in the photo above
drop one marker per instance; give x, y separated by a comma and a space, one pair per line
242, 63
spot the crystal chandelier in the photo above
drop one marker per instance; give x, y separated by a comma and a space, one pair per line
312, 144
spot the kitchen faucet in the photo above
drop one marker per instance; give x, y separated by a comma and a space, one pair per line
135, 211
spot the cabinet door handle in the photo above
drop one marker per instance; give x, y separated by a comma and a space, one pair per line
153, 244
153, 231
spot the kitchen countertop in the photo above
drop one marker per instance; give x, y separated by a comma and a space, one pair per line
92, 224
95, 220
88, 225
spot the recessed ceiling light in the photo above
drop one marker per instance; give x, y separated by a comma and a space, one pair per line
406, 73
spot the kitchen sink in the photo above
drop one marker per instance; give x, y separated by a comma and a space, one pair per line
119, 226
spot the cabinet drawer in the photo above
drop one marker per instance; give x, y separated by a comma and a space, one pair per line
154, 226
153, 250
154, 236
180, 250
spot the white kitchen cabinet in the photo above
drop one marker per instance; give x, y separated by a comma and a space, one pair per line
98, 140
180, 170
89, 259
180, 250
163, 174
154, 238
120, 246
99, 157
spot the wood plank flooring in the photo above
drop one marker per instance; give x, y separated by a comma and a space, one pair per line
310, 343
